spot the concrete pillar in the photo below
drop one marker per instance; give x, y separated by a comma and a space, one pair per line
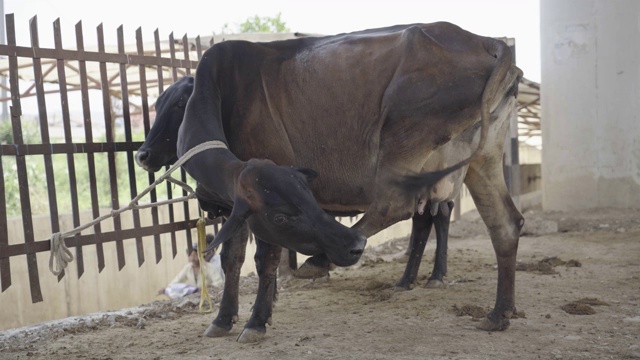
590, 97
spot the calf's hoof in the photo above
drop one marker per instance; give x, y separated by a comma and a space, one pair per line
216, 331
435, 284
489, 325
248, 336
308, 271
403, 287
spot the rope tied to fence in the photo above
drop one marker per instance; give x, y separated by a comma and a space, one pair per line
62, 256
202, 244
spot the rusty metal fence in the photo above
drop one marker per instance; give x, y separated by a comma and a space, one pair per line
120, 76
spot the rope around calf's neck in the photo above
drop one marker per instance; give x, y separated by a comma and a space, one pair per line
61, 256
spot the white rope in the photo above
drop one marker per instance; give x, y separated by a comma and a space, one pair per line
60, 254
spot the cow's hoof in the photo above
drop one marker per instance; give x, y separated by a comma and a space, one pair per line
248, 336
216, 331
307, 271
488, 325
402, 287
434, 284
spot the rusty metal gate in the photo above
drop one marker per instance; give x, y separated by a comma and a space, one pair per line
120, 77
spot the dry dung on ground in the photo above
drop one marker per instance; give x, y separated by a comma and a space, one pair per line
546, 266
583, 306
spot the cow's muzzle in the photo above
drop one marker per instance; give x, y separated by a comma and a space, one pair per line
352, 254
142, 158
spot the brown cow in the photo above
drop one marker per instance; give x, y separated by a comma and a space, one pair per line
365, 111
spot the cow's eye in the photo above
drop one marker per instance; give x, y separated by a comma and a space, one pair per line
280, 219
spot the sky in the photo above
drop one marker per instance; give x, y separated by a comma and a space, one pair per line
498, 18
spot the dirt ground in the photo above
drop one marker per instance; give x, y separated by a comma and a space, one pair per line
577, 294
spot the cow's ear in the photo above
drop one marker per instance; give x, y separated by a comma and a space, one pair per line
308, 173
241, 211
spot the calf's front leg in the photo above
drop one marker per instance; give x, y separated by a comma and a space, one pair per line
232, 257
267, 260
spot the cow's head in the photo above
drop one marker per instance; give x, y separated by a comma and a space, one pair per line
280, 209
159, 147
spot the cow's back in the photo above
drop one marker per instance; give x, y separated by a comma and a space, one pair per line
336, 103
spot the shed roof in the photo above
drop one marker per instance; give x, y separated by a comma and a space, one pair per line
187, 51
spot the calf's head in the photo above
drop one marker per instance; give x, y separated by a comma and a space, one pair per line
159, 147
280, 209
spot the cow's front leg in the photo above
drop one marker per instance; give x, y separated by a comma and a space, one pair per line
420, 229
441, 223
487, 187
267, 260
232, 258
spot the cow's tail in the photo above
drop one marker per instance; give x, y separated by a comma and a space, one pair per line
494, 85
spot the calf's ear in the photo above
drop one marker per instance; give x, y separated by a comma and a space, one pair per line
240, 212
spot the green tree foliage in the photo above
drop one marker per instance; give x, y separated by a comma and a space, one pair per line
256, 24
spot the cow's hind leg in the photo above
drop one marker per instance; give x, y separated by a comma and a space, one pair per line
232, 258
420, 229
441, 224
315, 267
288, 263
487, 187
267, 261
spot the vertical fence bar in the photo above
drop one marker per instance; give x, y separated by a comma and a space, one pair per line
86, 110
110, 138
146, 121
198, 48
5, 265
23, 180
66, 121
172, 52
183, 174
128, 137
185, 51
174, 248
44, 128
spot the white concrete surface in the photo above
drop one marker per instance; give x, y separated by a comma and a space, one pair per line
590, 103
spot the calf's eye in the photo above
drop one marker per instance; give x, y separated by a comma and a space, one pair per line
280, 219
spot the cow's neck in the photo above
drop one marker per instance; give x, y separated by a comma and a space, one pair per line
217, 171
